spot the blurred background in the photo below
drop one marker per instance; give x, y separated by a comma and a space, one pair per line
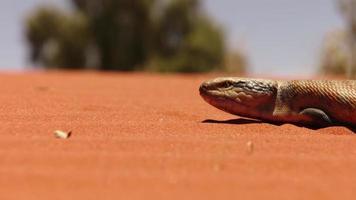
257, 37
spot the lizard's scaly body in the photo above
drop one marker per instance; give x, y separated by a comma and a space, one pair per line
299, 101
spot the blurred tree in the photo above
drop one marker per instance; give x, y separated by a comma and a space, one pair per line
170, 35
120, 29
174, 25
235, 62
348, 9
57, 40
187, 40
334, 54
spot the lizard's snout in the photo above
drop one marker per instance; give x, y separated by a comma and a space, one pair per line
204, 87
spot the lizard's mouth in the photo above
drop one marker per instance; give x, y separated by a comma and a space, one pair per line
218, 99
213, 96
207, 92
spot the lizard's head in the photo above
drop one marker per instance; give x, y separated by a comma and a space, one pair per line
241, 96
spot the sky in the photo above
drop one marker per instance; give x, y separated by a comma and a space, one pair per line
279, 37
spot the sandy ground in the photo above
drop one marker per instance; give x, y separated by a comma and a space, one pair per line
143, 136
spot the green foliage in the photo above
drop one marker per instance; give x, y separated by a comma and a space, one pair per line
121, 31
201, 49
159, 35
57, 40
187, 41
175, 23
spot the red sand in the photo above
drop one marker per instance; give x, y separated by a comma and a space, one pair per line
141, 136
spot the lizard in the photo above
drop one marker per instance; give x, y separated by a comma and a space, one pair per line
304, 102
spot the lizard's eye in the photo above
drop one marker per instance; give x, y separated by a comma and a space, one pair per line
227, 84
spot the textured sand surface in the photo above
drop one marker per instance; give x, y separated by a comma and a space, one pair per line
142, 136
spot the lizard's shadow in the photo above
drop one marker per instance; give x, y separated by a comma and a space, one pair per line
241, 121
232, 121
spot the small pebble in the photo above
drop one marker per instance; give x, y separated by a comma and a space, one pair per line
249, 145
62, 134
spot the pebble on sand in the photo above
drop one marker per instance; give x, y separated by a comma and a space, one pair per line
62, 134
249, 146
